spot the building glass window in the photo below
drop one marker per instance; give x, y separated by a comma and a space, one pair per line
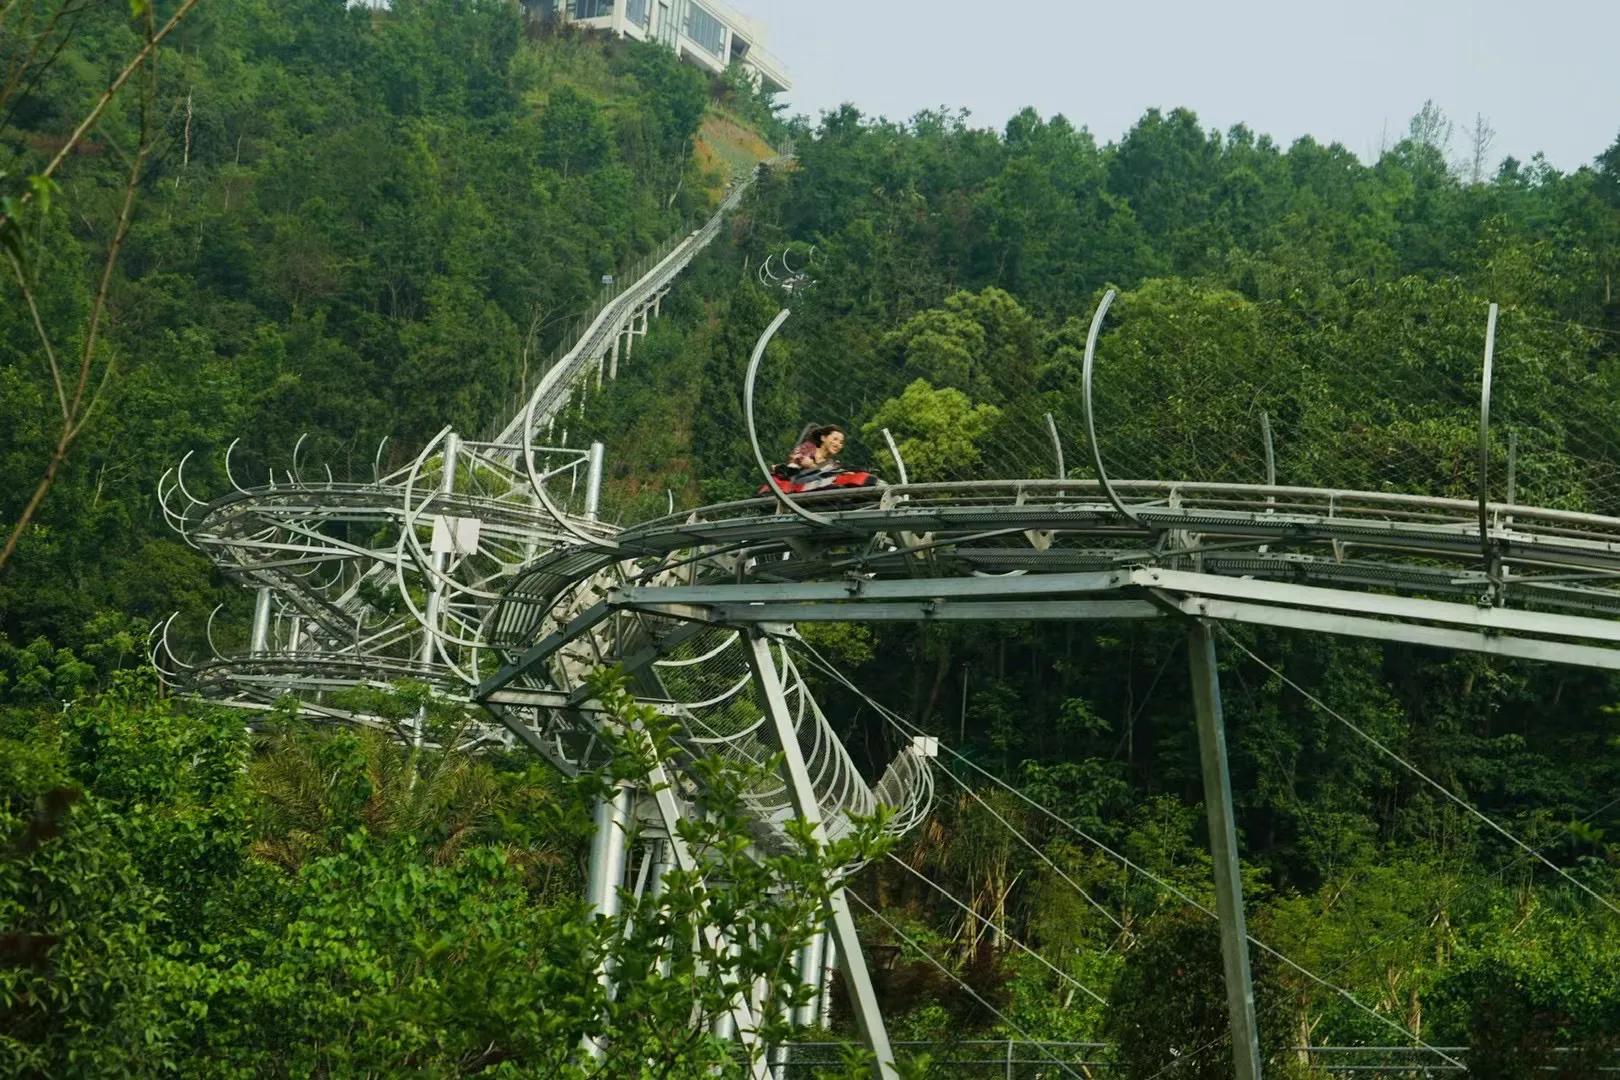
671, 17
636, 11
593, 9
706, 30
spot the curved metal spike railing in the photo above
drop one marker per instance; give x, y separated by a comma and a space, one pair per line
545, 567
278, 537
793, 278
295, 539
395, 577
334, 552
704, 674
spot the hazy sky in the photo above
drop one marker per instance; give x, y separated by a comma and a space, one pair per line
1545, 74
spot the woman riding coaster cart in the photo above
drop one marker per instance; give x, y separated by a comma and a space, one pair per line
818, 444
813, 465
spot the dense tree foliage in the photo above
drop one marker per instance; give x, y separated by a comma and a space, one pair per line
352, 224
345, 906
956, 269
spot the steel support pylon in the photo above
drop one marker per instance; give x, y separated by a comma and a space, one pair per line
259, 642
812, 971
593, 481
662, 862
862, 994
439, 559
669, 814
1206, 688
604, 871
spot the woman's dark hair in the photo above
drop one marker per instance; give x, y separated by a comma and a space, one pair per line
814, 432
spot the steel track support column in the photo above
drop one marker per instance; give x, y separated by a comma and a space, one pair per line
761, 992
658, 853
260, 641
662, 863
724, 1025
863, 996
812, 965
669, 810
435, 600
604, 870
1206, 688
593, 481
829, 964
613, 358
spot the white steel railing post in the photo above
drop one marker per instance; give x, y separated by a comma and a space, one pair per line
1488, 557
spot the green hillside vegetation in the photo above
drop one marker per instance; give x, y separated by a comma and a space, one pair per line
973, 259
352, 225
357, 225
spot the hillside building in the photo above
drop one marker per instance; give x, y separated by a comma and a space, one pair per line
707, 33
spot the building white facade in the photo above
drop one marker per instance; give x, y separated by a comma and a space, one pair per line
710, 34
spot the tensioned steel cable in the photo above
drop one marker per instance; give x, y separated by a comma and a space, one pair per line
974, 994
1374, 947
1027, 842
1421, 775
947, 894
910, 728
1464, 892
1564, 322
1185, 898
